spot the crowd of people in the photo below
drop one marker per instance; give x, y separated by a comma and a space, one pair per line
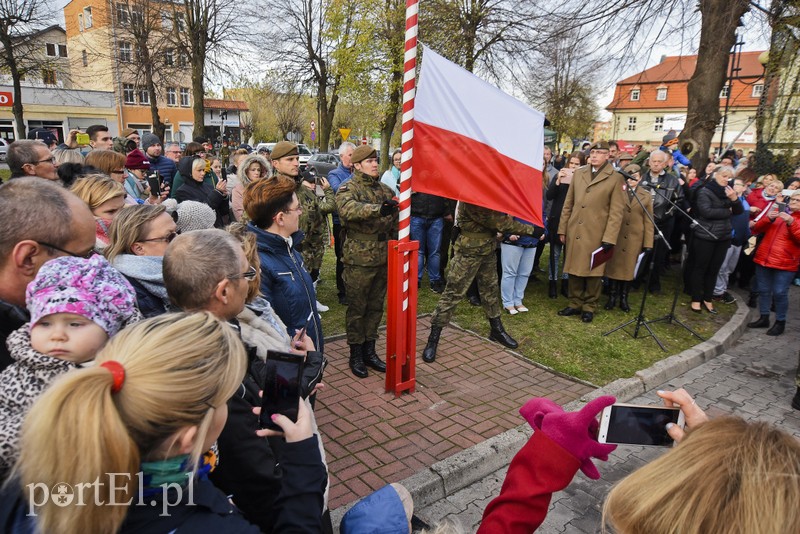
144, 284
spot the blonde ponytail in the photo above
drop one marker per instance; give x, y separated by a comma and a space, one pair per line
178, 369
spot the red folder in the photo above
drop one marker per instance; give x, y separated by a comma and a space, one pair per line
600, 256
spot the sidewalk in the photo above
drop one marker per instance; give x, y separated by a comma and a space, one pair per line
470, 394
753, 378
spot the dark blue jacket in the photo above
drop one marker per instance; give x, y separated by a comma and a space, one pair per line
286, 284
336, 178
165, 167
524, 241
741, 225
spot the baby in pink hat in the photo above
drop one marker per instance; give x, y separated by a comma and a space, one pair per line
76, 304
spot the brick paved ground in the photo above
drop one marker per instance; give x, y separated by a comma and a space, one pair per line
753, 379
472, 392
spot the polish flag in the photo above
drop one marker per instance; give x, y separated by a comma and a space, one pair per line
475, 143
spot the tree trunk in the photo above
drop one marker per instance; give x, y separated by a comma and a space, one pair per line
13, 70
198, 65
720, 19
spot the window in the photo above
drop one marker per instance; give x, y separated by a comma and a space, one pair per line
125, 52
661, 93
144, 97
137, 16
631, 124
166, 21
180, 22
80, 21
128, 93
725, 91
87, 17
658, 125
791, 119
171, 97
169, 57
122, 14
185, 97
85, 57
635, 95
62, 50
48, 77
51, 49
758, 90
183, 59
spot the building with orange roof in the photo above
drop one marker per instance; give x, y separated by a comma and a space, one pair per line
650, 103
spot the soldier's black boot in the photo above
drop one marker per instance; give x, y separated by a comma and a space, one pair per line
429, 354
357, 361
371, 358
624, 287
500, 335
613, 285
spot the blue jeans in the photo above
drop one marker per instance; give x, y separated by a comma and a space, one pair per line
556, 248
517, 263
429, 234
773, 283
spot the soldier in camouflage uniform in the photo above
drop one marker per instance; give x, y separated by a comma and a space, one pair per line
474, 258
369, 218
314, 219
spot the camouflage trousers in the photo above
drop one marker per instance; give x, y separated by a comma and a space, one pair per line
461, 270
312, 254
366, 293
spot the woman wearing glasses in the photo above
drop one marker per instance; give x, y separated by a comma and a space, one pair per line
250, 169
139, 236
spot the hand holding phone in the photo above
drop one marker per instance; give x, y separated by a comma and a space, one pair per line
293, 431
629, 424
281, 391
82, 139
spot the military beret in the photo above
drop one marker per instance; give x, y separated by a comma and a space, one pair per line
283, 149
128, 131
625, 156
363, 152
632, 168
599, 145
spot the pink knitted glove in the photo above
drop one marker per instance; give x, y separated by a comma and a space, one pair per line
576, 432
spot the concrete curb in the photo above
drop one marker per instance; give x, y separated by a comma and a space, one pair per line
471, 465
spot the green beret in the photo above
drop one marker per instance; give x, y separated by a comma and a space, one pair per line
283, 149
625, 156
363, 152
632, 168
599, 145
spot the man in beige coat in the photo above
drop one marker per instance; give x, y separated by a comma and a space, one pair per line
591, 219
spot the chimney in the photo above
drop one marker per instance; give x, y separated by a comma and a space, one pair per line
663, 58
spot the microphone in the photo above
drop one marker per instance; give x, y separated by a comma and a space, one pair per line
627, 176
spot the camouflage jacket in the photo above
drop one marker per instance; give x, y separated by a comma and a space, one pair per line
367, 232
478, 227
313, 221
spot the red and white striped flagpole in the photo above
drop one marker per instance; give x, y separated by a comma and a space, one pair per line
402, 303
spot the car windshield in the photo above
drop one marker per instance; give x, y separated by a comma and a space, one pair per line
303, 149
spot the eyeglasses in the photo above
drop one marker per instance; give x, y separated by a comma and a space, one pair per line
168, 238
85, 255
299, 208
249, 274
51, 159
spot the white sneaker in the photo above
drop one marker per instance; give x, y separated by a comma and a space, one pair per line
321, 307
522, 309
512, 310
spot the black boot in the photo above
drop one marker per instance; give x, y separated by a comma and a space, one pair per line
612, 295
624, 287
552, 291
371, 358
796, 400
762, 322
777, 328
429, 354
752, 300
500, 335
357, 361
565, 288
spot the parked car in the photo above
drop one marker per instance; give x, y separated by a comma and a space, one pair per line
324, 163
305, 154
3, 149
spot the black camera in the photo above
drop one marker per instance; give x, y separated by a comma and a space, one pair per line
309, 176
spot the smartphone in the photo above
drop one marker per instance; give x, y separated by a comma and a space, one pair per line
281, 391
302, 331
629, 424
154, 180
781, 206
82, 139
567, 178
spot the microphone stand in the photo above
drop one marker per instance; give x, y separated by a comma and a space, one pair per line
670, 317
640, 319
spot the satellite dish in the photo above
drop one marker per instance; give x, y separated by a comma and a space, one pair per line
180, 136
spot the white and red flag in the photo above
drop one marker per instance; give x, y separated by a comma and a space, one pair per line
475, 143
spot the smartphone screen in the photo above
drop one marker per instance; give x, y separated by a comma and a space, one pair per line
281, 387
638, 425
154, 181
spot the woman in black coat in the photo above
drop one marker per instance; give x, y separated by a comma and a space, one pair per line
195, 188
716, 202
557, 193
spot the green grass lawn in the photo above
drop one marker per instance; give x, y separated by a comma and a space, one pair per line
565, 343
5, 174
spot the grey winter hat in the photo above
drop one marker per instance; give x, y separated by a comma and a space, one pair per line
193, 215
149, 140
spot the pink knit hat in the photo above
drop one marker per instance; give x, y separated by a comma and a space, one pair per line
88, 287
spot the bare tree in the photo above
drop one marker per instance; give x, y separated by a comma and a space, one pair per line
289, 108
19, 21
391, 36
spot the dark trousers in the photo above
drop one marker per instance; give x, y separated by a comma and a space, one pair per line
338, 241
660, 253
703, 268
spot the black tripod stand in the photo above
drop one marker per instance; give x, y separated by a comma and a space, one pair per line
640, 321
670, 317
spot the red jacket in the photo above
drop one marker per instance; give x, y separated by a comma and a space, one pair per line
780, 247
756, 198
539, 469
